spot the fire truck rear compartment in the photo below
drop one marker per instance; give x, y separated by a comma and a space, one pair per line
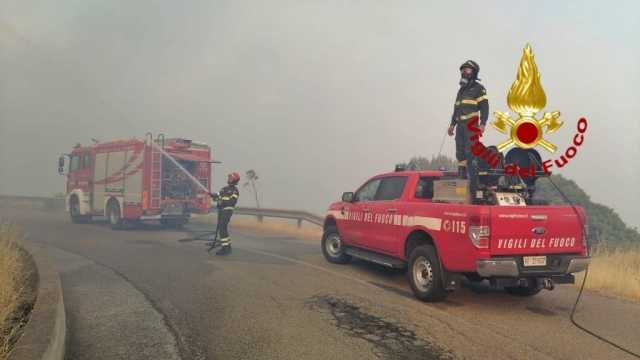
175, 184
177, 191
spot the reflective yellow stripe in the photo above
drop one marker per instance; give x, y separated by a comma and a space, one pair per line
234, 196
457, 102
469, 116
472, 101
225, 198
228, 208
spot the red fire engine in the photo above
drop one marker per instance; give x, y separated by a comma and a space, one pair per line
138, 180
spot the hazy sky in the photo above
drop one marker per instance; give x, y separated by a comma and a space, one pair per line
316, 96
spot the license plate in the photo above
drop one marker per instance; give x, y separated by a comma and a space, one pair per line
534, 260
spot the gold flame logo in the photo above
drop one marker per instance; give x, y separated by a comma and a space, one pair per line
526, 97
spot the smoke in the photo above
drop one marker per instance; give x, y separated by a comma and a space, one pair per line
314, 96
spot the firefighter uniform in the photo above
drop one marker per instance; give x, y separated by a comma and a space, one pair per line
471, 101
228, 197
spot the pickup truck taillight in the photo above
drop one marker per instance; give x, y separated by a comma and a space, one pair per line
479, 231
585, 229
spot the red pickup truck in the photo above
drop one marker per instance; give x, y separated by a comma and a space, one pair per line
394, 220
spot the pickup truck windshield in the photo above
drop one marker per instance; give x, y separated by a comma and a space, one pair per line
368, 191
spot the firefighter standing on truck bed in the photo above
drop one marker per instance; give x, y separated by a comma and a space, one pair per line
227, 199
471, 101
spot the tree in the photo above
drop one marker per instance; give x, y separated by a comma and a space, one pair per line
435, 163
252, 177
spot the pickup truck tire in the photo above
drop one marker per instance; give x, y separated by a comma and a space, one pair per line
332, 247
424, 274
531, 289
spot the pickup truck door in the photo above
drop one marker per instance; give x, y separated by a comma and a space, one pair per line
346, 223
384, 230
358, 214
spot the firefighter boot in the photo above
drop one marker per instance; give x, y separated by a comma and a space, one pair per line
224, 250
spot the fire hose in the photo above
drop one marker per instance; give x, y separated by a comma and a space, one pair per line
214, 243
584, 280
176, 163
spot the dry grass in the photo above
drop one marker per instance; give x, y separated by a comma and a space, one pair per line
270, 226
614, 271
13, 286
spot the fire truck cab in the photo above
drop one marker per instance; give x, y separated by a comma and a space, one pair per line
133, 180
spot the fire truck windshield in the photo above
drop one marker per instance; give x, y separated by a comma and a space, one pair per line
75, 163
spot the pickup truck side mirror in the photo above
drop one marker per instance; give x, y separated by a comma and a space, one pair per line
61, 165
348, 197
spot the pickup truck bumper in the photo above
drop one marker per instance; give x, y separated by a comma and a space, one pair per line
513, 266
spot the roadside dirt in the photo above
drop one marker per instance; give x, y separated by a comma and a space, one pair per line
19, 292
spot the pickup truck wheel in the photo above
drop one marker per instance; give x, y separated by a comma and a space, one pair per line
424, 274
332, 247
531, 289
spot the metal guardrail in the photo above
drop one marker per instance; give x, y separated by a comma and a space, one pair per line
300, 216
53, 203
45, 203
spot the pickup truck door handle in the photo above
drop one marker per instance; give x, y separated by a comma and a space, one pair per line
392, 210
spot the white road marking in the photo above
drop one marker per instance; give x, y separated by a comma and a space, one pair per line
313, 266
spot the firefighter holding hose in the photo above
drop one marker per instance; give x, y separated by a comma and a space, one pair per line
227, 199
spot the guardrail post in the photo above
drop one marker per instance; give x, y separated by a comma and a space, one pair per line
259, 218
299, 223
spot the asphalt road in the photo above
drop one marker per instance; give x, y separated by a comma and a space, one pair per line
143, 294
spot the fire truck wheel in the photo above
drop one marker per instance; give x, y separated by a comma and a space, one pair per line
531, 289
74, 212
424, 273
113, 214
332, 247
